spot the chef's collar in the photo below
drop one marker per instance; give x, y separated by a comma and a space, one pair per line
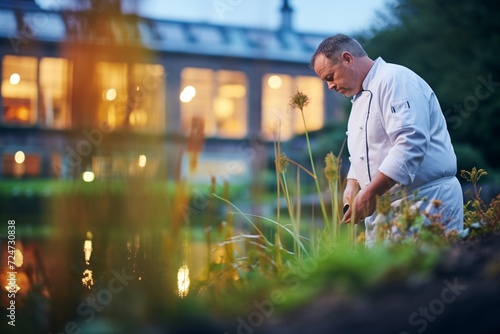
369, 77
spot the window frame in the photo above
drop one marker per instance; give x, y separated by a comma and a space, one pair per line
40, 122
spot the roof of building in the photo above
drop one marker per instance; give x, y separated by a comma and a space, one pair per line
29, 22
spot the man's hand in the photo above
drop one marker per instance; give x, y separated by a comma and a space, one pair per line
350, 192
365, 202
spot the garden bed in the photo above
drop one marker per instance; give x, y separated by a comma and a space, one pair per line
460, 295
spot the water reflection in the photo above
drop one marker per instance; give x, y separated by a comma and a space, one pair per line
183, 281
88, 279
87, 247
140, 258
18, 258
14, 274
133, 247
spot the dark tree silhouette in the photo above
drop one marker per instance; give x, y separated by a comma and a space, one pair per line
454, 45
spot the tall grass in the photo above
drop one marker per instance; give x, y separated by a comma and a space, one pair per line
300, 101
306, 237
402, 225
147, 228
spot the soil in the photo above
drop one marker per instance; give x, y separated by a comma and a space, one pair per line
461, 296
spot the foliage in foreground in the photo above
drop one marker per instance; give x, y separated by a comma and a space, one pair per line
288, 257
479, 218
278, 253
332, 259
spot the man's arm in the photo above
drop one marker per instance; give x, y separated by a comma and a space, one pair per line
365, 202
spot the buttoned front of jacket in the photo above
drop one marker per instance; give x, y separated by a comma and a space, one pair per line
358, 137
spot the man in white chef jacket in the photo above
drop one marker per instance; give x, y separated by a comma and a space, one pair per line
396, 135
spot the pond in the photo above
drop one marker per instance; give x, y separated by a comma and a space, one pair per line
106, 257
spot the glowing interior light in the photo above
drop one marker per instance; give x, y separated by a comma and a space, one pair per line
187, 94
19, 157
23, 113
183, 281
14, 79
142, 161
138, 117
223, 107
88, 176
274, 81
190, 90
111, 94
233, 91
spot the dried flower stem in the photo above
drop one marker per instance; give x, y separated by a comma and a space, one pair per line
320, 195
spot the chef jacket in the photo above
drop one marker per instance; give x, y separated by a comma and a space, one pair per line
396, 127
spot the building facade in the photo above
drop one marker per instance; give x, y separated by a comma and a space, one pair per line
101, 94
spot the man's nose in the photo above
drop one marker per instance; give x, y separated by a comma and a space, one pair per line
331, 85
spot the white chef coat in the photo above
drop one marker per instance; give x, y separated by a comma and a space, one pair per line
396, 127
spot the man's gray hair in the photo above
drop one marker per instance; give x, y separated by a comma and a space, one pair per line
338, 43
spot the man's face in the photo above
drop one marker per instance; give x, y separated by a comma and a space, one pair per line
339, 75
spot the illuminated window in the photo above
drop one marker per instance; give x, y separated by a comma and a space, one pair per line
112, 85
20, 87
276, 114
147, 99
277, 89
20, 164
19, 90
218, 97
134, 101
312, 87
54, 76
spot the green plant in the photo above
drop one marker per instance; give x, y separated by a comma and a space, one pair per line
300, 101
479, 218
332, 174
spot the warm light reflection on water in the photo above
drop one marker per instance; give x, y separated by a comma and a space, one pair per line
87, 249
88, 279
15, 272
18, 258
124, 273
133, 247
183, 281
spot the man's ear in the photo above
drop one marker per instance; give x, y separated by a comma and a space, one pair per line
347, 57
